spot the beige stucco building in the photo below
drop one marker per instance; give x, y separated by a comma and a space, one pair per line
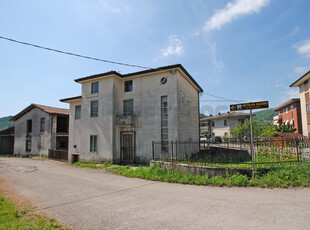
222, 124
303, 84
119, 115
39, 129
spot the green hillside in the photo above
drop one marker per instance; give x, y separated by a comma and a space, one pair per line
5, 122
265, 116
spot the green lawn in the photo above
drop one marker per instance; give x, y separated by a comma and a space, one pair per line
283, 177
22, 217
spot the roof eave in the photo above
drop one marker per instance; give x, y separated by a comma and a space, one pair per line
71, 99
300, 80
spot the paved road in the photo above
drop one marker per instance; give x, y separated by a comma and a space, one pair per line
95, 199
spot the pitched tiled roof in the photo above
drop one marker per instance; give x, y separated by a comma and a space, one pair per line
286, 104
142, 72
227, 115
301, 80
70, 99
47, 109
288, 135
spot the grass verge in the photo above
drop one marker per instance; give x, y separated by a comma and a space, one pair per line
13, 216
283, 177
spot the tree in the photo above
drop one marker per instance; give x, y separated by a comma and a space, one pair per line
268, 131
286, 128
202, 115
242, 130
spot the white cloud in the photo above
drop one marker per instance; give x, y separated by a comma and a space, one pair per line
218, 64
196, 33
295, 31
232, 11
301, 69
278, 85
289, 94
174, 47
304, 48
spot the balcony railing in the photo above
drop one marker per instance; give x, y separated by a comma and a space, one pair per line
125, 119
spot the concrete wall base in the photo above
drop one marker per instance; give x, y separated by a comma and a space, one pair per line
203, 170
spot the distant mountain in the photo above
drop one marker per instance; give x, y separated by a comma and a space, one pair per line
265, 116
5, 122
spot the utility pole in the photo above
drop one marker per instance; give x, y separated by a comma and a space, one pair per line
252, 142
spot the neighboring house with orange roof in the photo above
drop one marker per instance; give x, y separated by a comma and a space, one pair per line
41, 129
289, 113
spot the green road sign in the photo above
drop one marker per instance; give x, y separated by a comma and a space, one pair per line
250, 105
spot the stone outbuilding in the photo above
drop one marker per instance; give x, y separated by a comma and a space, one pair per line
41, 129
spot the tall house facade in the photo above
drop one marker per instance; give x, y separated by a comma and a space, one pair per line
118, 116
289, 113
303, 84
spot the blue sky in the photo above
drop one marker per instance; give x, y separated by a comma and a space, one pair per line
237, 49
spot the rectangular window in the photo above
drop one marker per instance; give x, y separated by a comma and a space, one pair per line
213, 124
42, 124
308, 107
93, 143
29, 126
306, 86
94, 109
128, 106
128, 86
286, 109
77, 114
164, 124
95, 87
241, 121
292, 108
28, 145
225, 122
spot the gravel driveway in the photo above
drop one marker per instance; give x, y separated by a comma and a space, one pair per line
95, 199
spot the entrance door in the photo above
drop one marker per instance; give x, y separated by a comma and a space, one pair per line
128, 147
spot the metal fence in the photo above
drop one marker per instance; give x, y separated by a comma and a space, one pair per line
267, 151
58, 154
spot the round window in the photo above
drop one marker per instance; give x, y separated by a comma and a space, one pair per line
163, 80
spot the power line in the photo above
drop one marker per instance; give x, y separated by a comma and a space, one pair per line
97, 59
225, 99
73, 54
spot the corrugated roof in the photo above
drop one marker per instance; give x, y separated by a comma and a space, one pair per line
47, 109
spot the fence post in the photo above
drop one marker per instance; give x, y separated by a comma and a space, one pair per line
153, 149
297, 150
176, 150
171, 151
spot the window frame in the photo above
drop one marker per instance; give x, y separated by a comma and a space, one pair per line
126, 107
75, 112
93, 112
93, 147
29, 126
128, 86
27, 145
225, 123
42, 124
95, 87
